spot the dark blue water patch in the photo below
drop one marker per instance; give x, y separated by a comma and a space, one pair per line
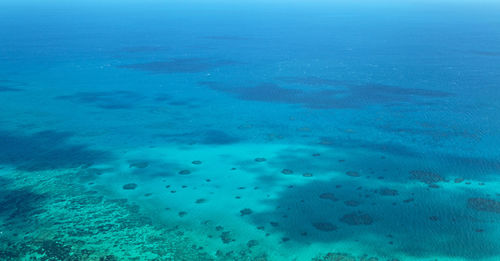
46, 150
347, 96
179, 65
475, 167
166, 98
298, 210
163, 97
148, 169
106, 100
9, 89
10, 86
383, 147
218, 137
371, 89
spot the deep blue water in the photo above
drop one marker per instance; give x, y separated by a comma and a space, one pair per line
367, 128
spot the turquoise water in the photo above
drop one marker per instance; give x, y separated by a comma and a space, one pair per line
170, 130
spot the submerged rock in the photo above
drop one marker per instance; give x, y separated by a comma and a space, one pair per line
352, 174
246, 211
357, 218
226, 237
130, 186
324, 226
484, 204
252, 243
425, 176
351, 203
139, 164
328, 196
184, 172
388, 192
335, 257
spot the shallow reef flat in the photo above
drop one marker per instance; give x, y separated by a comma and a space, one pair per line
210, 203
54, 218
48, 216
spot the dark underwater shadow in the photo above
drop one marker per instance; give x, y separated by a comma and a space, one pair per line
106, 100
46, 150
10, 86
416, 222
469, 166
17, 206
334, 95
9, 89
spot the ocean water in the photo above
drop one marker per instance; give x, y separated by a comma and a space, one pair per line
250, 130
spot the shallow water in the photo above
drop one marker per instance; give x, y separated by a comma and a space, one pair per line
249, 131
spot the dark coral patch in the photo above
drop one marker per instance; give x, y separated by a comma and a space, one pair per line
425, 176
287, 171
484, 204
226, 237
260, 159
324, 226
352, 174
184, 172
218, 137
245, 211
196, 162
388, 192
434, 218
252, 243
357, 218
351, 203
139, 164
200, 201
328, 196
129, 186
